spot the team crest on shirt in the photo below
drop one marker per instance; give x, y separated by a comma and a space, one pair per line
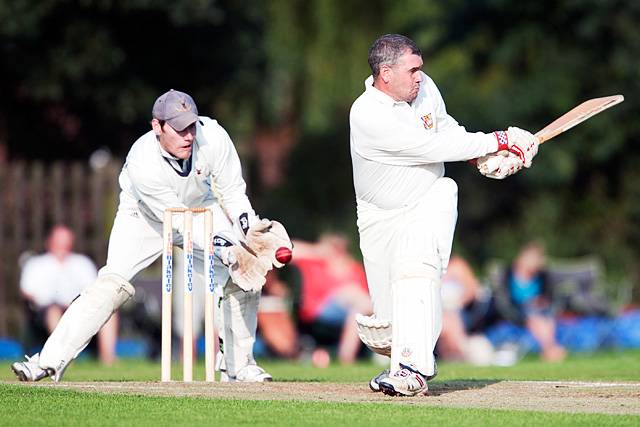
427, 121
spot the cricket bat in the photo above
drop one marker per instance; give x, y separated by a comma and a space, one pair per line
577, 115
563, 123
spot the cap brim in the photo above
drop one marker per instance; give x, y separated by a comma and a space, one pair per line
183, 121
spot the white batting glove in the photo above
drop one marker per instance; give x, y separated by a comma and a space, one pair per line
499, 165
520, 142
265, 238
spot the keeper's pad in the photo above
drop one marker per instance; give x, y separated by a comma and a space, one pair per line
238, 320
375, 333
82, 320
417, 314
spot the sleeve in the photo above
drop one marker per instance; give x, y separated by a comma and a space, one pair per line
382, 137
33, 285
227, 182
28, 281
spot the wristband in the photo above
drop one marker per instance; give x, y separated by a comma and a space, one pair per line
503, 140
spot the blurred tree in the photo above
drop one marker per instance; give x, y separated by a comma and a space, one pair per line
543, 59
281, 76
81, 75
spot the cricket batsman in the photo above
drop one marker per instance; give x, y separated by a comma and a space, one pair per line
184, 161
401, 135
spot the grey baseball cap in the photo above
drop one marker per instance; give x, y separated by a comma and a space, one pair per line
176, 108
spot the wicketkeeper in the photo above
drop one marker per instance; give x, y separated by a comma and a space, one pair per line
401, 135
186, 161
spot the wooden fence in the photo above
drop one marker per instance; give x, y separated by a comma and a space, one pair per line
35, 196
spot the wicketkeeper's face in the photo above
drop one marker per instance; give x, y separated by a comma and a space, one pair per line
176, 143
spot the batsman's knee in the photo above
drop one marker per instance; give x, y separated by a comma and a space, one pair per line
427, 267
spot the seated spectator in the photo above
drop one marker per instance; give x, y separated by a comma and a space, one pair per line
525, 299
51, 281
333, 290
460, 293
276, 326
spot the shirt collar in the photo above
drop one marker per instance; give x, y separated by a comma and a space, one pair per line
166, 153
378, 94
183, 167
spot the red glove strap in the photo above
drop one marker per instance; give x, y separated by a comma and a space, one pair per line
503, 140
517, 151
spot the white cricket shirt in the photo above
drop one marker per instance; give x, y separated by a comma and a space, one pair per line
153, 177
398, 149
47, 280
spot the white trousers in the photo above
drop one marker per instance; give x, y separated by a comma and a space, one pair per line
421, 233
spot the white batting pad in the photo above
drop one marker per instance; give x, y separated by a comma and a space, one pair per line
239, 320
417, 316
375, 333
444, 196
82, 320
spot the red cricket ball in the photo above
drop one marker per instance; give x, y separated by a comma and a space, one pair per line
283, 255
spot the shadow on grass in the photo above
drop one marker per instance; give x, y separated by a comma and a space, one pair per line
437, 388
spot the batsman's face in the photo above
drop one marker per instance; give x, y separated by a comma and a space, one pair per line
406, 77
176, 143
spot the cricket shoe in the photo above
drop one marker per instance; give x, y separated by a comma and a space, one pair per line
248, 374
405, 382
374, 384
30, 370
253, 374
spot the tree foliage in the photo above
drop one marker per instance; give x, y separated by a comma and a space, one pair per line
81, 75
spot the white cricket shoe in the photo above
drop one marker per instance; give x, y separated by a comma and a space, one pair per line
30, 370
253, 374
405, 382
248, 374
374, 384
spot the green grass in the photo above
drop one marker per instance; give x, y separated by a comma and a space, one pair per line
601, 366
36, 406
20, 405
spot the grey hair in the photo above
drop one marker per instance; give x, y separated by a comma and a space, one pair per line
387, 49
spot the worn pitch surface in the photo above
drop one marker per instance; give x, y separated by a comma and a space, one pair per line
551, 396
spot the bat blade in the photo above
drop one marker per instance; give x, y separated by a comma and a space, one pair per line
577, 115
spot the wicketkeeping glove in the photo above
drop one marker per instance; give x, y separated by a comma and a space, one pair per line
245, 268
265, 237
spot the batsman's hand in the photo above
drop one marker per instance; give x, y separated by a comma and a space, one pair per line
520, 142
245, 268
265, 237
499, 165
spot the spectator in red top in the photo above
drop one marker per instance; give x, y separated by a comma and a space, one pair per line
334, 289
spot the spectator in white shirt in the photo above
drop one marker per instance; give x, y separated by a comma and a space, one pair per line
51, 281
